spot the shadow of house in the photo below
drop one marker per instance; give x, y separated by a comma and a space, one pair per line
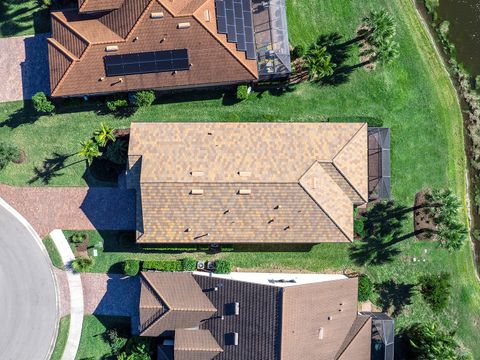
110, 208
35, 73
121, 297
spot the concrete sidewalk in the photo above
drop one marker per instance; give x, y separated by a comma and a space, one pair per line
76, 295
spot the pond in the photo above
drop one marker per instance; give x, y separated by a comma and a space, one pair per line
464, 18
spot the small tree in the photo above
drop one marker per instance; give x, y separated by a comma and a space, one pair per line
82, 264
131, 267
143, 98
42, 104
380, 27
117, 342
427, 341
77, 238
104, 134
435, 290
442, 205
318, 62
8, 153
365, 288
89, 150
117, 152
242, 92
452, 235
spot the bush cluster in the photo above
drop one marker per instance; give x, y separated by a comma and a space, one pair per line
143, 98
82, 264
189, 264
435, 290
162, 265
8, 153
116, 104
365, 288
41, 103
242, 92
223, 266
131, 267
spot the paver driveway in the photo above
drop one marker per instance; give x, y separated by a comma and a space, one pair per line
28, 300
23, 66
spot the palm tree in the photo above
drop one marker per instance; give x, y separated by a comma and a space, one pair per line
381, 27
386, 52
89, 150
318, 62
104, 134
429, 342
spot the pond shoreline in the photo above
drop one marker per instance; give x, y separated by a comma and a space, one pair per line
472, 212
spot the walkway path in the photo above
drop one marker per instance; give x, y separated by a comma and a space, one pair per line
23, 66
28, 295
76, 296
73, 208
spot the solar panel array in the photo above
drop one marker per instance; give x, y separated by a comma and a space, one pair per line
234, 18
146, 62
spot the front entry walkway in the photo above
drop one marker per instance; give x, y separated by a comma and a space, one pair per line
73, 208
23, 66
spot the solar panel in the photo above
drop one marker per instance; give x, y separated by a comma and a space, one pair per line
251, 53
147, 62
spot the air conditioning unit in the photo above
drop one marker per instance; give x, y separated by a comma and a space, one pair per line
200, 265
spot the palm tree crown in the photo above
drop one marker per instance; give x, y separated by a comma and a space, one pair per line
104, 134
89, 150
318, 62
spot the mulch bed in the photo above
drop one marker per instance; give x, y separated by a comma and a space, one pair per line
363, 47
122, 134
422, 222
21, 158
299, 74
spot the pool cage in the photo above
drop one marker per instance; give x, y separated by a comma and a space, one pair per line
378, 163
383, 336
271, 39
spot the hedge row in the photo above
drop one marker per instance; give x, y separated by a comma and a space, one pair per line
131, 267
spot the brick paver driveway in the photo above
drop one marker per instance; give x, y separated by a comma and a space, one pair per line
23, 66
73, 208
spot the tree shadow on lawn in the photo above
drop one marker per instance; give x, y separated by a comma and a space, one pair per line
394, 296
51, 168
384, 223
23, 116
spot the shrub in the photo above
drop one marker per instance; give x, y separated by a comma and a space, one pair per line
477, 82
82, 264
435, 290
298, 51
131, 267
117, 152
223, 266
8, 153
117, 342
41, 103
189, 264
77, 238
143, 98
365, 288
162, 265
242, 92
116, 104
359, 226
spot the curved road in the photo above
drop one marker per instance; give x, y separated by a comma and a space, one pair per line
28, 300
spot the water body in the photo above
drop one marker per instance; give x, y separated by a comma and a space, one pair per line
464, 18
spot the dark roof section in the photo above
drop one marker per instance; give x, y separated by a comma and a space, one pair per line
258, 323
379, 163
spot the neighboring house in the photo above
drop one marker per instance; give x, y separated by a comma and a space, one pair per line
251, 316
247, 182
108, 46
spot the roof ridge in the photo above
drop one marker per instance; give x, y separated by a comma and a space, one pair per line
140, 18
344, 347
348, 181
62, 49
149, 284
67, 24
349, 141
217, 37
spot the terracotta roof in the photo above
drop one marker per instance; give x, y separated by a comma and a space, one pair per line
98, 5
133, 30
170, 301
195, 345
301, 186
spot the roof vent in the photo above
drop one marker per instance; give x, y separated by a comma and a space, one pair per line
111, 48
197, 192
183, 25
188, 230
330, 317
244, 191
237, 309
320, 333
277, 207
244, 173
156, 15
207, 15
197, 173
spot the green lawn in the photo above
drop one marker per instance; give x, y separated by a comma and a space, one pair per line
53, 252
93, 342
414, 96
23, 17
61, 338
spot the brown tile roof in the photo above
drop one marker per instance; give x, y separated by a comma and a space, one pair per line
195, 345
316, 319
357, 344
170, 301
98, 5
301, 185
213, 59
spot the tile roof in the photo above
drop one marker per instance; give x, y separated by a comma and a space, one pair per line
169, 301
98, 5
132, 29
301, 186
311, 321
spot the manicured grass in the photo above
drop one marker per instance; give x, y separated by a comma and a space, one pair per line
23, 17
53, 252
61, 338
93, 342
414, 96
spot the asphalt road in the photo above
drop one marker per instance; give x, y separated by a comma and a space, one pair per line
28, 308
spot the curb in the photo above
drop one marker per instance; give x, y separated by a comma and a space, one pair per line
76, 295
40, 243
